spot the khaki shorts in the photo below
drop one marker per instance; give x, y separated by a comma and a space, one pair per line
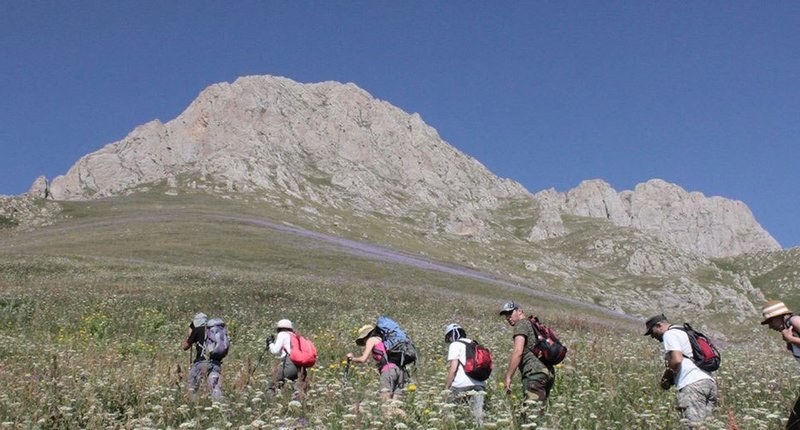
392, 380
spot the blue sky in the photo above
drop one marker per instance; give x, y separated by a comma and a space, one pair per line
702, 94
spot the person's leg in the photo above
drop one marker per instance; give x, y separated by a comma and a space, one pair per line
300, 384
695, 402
794, 416
196, 372
537, 390
215, 380
476, 403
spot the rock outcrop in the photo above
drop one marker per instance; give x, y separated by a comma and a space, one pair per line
692, 222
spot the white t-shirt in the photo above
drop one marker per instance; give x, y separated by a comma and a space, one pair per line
678, 340
458, 351
282, 344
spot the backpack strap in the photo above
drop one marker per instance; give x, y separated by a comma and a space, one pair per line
683, 329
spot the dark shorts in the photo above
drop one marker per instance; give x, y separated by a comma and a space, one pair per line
538, 385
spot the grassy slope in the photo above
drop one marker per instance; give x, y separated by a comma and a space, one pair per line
94, 309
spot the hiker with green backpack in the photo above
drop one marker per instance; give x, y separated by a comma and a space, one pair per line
211, 341
690, 358
297, 355
470, 365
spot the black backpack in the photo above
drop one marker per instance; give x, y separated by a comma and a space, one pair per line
547, 348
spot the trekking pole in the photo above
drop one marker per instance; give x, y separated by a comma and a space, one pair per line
346, 372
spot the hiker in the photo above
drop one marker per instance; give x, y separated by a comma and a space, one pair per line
696, 393
285, 370
462, 387
392, 376
777, 316
537, 377
202, 364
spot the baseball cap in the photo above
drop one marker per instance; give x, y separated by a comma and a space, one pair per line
508, 307
652, 323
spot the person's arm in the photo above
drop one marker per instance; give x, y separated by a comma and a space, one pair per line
674, 360
280, 342
514, 360
371, 342
186, 344
789, 333
452, 374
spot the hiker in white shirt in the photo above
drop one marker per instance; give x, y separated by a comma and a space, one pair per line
285, 369
462, 387
696, 393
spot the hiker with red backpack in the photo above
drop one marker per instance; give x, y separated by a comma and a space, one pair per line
536, 352
392, 374
297, 355
690, 358
211, 342
470, 365
778, 317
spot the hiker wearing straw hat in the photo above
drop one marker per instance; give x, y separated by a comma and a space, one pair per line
775, 315
285, 370
392, 377
696, 393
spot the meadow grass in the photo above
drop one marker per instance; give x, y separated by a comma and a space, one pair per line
93, 315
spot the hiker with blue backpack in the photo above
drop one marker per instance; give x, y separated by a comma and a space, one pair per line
211, 341
690, 358
470, 365
387, 344
778, 317
297, 355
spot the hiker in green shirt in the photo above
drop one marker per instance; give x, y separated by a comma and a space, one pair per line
537, 378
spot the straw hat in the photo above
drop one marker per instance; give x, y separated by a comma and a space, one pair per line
773, 308
363, 333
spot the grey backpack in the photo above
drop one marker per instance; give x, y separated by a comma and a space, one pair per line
217, 341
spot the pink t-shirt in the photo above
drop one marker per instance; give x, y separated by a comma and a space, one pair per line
378, 353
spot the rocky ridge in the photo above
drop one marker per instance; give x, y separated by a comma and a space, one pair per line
336, 145
338, 159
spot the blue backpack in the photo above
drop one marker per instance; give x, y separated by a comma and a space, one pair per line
399, 349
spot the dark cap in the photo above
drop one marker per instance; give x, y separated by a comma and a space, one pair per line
652, 322
508, 307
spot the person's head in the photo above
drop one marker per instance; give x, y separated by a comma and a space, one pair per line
512, 313
773, 315
284, 325
199, 320
657, 326
454, 332
364, 333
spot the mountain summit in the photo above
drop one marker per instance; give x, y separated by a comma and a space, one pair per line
335, 145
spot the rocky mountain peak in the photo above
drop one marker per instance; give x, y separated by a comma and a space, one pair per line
335, 145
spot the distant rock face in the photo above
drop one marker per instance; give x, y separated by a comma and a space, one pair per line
335, 145
268, 133
692, 222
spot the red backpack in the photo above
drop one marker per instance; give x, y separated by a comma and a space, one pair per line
704, 353
547, 348
478, 364
304, 353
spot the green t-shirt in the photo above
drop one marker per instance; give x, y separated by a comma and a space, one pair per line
529, 363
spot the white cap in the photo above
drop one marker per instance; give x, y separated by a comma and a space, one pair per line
284, 323
200, 319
